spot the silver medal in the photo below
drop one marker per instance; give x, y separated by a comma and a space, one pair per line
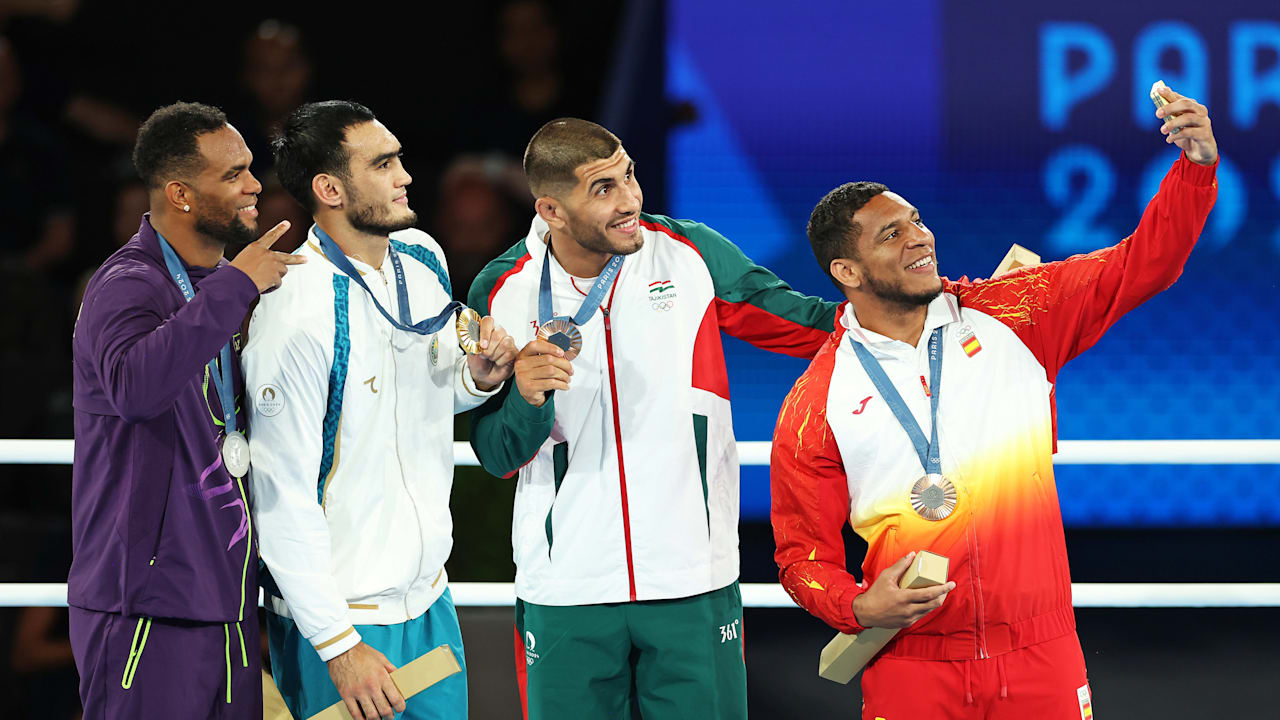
235, 454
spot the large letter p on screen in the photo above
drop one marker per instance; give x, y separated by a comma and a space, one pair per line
1060, 87
1249, 91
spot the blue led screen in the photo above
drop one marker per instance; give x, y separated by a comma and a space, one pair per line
1011, 122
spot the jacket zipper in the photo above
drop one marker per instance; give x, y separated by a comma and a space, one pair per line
617, 438
975, 579
395, 409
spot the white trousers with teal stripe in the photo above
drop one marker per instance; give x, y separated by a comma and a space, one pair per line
307, 689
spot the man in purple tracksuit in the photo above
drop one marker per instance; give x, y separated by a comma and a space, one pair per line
163, 583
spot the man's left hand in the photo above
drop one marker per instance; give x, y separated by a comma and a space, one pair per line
496, 358
1195, 138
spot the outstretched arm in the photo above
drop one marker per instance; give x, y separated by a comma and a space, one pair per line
752, 303
1061, 309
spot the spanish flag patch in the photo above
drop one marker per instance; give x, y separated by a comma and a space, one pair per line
969, 341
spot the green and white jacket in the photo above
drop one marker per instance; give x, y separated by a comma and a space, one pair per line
628, 482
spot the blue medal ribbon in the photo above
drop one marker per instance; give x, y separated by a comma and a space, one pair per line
220, 368
589, 304
427, 327
930, 457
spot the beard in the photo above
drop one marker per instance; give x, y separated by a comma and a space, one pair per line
596, 239
228, 229
376, 219
895, 295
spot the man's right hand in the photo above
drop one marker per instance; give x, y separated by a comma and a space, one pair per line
264, 266
362, 677
540, 368
885, 604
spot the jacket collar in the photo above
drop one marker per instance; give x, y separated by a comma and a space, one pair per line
943, 310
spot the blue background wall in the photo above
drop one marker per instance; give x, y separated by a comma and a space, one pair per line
1011, 123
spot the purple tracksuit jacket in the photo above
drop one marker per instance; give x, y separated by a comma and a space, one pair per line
159, 528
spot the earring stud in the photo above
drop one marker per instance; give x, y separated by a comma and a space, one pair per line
186, 208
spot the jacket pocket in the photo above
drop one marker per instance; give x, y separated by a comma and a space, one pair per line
560, 467
700, 442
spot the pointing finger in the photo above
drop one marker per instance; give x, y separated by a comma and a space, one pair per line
273, 234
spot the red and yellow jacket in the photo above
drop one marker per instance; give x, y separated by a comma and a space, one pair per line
840, 455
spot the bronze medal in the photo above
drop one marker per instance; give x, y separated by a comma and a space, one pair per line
933, 497
561, 332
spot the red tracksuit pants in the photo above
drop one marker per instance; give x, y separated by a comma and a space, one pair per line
1040, 682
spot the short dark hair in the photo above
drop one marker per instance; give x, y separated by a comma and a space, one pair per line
167, 147
312, 143
559, 148
832, 230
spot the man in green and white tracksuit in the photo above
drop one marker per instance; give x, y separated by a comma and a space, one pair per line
625, 529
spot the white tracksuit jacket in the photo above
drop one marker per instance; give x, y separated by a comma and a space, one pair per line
628, 481
351, 433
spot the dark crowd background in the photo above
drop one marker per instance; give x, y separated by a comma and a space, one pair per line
463, 86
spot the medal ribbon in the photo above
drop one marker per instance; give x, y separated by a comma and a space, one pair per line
930, 457
589, 304
219, 368
426, 327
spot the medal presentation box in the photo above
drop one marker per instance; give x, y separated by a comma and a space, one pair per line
411, 679
1017, 257
847, 654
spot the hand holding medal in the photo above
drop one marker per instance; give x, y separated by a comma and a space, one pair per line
491, 352
541, 368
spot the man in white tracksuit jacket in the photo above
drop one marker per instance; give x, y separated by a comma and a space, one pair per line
352, 428
626, 515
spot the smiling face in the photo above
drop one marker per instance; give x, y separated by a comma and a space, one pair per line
225, 191
895, 259
376, 184
602, 211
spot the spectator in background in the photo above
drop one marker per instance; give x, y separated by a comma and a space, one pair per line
276, 204
130, 202
276, 77
36, 236
41, 657
36, 225
532, 89
478, 204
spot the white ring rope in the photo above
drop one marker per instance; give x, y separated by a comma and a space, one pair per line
771, 595
1070, 452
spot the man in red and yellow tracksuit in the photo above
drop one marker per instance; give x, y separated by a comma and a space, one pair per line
927, 422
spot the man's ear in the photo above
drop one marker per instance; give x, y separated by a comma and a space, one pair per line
178, 196
846, 272
328, 190
551, 211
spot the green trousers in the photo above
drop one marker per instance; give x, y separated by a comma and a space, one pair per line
676, 659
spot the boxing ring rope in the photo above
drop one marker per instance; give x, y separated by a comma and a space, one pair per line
771, 595
1070, 452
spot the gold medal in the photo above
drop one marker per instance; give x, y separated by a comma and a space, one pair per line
468, 326
933, 497
561, 332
